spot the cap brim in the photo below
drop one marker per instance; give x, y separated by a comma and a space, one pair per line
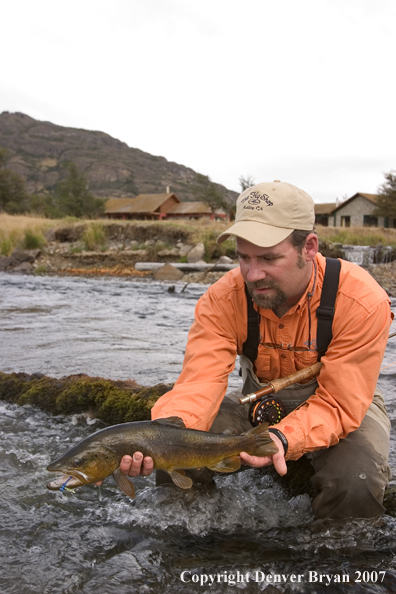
256, 233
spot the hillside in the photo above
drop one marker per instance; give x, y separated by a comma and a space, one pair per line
38, 150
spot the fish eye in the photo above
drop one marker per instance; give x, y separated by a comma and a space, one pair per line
77, 462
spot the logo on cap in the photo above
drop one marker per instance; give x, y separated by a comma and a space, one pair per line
254, 201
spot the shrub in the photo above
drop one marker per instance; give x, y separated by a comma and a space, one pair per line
94, 237
33, 240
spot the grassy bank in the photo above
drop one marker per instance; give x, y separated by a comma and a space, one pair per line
23, 231
29, 232
372, 236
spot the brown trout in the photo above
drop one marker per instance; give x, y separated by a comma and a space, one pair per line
172, 447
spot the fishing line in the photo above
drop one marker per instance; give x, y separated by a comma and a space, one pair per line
63, 487
386, 366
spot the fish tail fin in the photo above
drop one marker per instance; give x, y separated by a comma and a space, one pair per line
264, 445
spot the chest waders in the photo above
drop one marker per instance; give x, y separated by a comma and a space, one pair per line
272, 409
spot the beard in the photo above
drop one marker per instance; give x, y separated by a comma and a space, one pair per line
266, 301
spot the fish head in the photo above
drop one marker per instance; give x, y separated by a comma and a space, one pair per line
81, 466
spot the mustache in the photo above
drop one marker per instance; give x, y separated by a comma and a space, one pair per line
262, 284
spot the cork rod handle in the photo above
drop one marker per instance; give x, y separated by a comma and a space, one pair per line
279, 384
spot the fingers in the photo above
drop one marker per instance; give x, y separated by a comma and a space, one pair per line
255, 461
136, 465
278, 459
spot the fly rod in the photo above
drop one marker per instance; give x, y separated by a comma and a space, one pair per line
279, 384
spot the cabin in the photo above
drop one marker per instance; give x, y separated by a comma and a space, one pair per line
324, 213
195, 210
146, 207
156, 207
359, 211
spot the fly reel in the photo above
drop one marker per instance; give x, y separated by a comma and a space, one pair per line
268, 409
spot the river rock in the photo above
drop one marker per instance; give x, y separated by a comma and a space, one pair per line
168, 273
25, 255
224, 260
196, 253
24, 267
169, 255
184, 248
5, 262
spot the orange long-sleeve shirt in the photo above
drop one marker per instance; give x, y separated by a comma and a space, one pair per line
346, 381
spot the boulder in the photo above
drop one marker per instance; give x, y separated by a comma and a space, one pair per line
196, 253
224, 260
184, 248
168, 273
25, 255
26, 267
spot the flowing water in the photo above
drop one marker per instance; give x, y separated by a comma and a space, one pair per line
246, 534
364, 255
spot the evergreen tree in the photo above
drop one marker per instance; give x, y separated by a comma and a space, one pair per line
386, 201
73, 198
13, 196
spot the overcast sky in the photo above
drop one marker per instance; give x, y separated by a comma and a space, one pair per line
297, 90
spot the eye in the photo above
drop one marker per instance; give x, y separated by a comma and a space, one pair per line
77, 462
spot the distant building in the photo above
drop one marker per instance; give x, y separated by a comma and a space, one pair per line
149, 207
195, 210
156, 207
358, 211
324, 214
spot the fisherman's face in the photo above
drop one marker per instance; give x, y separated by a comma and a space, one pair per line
279, 275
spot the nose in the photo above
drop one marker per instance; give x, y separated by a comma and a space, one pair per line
255, 272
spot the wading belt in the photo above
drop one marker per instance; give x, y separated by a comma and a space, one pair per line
324, 313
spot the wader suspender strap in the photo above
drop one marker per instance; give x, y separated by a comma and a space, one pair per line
325, 314
250, 347
325, 311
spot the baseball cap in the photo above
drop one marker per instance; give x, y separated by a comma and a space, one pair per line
267, 213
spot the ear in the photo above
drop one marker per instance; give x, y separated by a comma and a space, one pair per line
311, 247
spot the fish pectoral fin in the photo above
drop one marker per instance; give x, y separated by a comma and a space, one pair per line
230, 464
180, 479
124, 484
171, 422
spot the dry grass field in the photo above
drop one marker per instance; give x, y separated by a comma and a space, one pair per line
29, 231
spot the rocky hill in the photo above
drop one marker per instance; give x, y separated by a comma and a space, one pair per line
38, 151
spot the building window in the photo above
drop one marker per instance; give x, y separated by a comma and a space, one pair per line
346, 221
322, 220
370, 221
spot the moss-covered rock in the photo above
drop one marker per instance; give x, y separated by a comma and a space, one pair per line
109, 400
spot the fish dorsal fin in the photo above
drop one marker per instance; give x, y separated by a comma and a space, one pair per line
230, 431
171, 422
124, 484
180, 479
230, 464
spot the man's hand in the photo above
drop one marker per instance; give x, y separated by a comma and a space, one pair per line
278, 459
135, 466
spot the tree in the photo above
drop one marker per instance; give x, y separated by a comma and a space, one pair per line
386, 201
246, 182
207, 191
13, 196
72, 197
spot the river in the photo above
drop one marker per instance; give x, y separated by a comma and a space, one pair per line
247, 534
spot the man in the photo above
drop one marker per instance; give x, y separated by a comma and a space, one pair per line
340, 421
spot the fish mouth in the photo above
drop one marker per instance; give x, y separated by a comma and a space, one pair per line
69, 481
